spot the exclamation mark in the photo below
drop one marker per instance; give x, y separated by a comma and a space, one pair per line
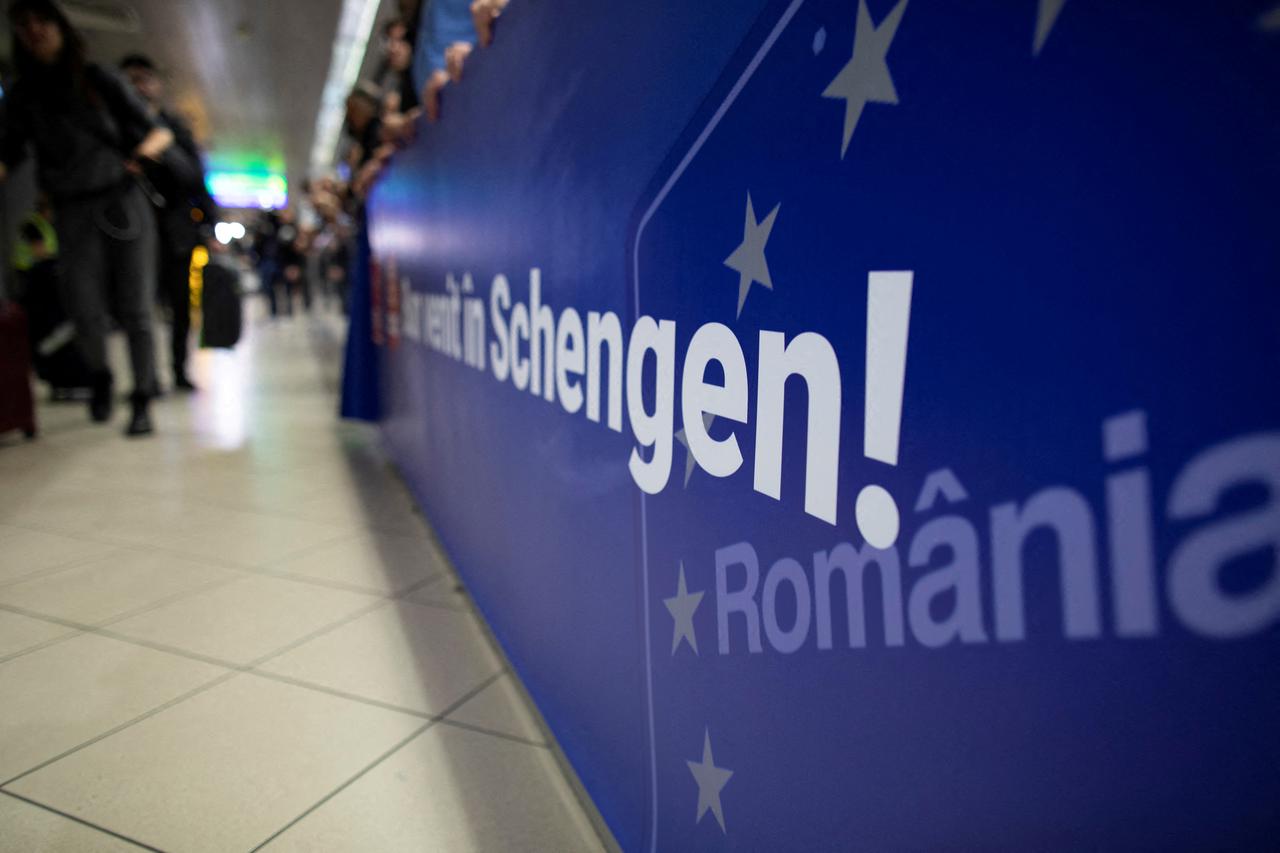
888, 319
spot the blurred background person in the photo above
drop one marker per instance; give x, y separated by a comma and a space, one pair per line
265, 249
54, 354
179, 183
393, 75
90, 133
290, 261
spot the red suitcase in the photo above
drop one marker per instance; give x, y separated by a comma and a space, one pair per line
17, 407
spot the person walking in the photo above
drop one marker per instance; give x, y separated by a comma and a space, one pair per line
90, 134
180, 190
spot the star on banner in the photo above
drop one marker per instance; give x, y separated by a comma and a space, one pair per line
711, 781
865, 78
682, 606
1046, 16
748, 259
689, 462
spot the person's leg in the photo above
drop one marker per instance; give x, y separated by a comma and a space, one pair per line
176, 274
132, 265
267, 275
82, 288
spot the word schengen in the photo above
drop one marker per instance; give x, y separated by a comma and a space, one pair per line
587, 365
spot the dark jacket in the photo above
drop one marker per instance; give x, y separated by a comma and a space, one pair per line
81, 133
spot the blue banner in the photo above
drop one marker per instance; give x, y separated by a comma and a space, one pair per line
858, 420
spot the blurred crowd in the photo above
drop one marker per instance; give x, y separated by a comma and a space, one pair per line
123, 223
419, 52
422, 52
122, 205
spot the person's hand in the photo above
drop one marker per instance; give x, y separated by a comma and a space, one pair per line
132, 166
454, 56
153, 145
484, 15
431, 94
364, 179
4, 172
398, 128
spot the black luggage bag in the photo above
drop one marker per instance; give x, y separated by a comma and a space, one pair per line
220, 317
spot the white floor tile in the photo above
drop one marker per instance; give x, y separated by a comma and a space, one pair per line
243, 620
119, 582
224, 769
420, 658
248, 539
380, 563
19, 632
25, 828
455, 790
58, 697
95, 514
500, 707
25, 552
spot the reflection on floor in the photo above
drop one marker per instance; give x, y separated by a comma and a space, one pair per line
238, 634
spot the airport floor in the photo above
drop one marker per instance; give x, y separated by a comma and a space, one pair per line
238, 634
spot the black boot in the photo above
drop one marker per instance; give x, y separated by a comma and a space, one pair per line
140, 419
182, 383
101, 401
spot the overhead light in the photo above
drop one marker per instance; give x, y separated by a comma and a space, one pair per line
225, 232
263, 190
355, 26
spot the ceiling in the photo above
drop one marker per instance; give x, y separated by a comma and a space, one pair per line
247, 73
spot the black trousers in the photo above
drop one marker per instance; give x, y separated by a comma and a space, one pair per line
175, 293
107, 247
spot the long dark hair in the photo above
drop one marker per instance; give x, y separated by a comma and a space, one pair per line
70, 65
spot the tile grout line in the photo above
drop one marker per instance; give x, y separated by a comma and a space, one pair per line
226, 676
52, 641
440, 605
101, 628
150, 548
319, 632
568, 772
341, 586
75, 562
169, 650
459, 724
338, 790
361, 773
45, 807
169, 599
258, 568
233, 670
340, 694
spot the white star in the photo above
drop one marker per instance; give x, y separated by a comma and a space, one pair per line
689, 461
711, 780
748, 259
865, 78
1046, 15
682, 606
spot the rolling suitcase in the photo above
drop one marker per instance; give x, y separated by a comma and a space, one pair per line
220, 317
17, 407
